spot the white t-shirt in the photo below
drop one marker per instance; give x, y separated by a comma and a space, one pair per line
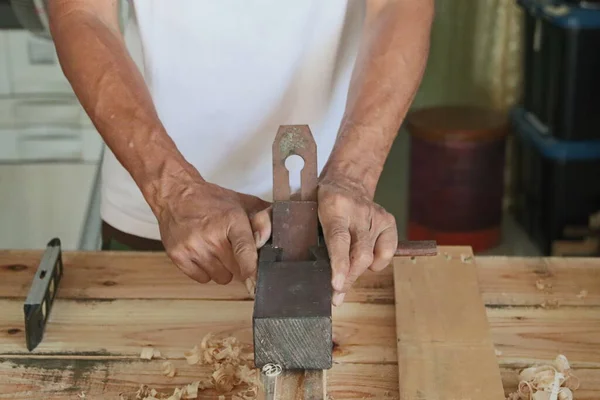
224, 75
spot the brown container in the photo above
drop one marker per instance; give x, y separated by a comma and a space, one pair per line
456, 175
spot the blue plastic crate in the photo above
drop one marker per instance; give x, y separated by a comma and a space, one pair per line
561, 64
556, 183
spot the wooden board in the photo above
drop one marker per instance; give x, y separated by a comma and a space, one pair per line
444, 346
110, 304
117, 275
363, 333
63, 379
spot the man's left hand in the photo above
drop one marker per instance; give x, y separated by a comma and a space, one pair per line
359, 233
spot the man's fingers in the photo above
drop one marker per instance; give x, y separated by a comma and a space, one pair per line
337, 238
188, 267
215, 269
243, 246
261, 226
361, 255
385, 247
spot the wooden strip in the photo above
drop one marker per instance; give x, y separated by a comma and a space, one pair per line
536, 281
363, 333
63, 379
123, 275
298, 384
444, 345
527, 335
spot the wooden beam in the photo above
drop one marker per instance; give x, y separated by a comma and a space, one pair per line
125, 275
445, 349
63, 379
363, 333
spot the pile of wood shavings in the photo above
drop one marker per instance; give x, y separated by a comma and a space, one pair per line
231, 366
554, 381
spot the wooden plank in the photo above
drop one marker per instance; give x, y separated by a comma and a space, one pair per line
363, 333
299, 384
512, 281
124, 275
528, 335
63, 379
444, 346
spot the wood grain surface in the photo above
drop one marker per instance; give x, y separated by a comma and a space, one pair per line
444, 345
117, 275
111, 304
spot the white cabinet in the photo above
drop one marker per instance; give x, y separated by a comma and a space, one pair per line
4, 75
41, 201
46, 129
33, 65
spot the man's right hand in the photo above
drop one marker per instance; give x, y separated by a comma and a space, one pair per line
212, 233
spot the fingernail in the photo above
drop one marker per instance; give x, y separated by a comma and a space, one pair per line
257, 239
338, 282
338, 299
250, 286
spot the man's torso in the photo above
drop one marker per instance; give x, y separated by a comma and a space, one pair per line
224, 76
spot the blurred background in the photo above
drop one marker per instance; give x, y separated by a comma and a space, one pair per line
501, 150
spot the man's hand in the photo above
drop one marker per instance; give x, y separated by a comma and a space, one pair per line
388, 69
359, 234
207, 231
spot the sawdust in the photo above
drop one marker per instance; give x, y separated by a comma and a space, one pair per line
583, 294
149, 352
553, 381
231, 367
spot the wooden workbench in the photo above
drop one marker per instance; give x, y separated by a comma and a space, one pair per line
111, 304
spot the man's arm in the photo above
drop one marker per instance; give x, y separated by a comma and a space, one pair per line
390, 64
110, 87
205, 228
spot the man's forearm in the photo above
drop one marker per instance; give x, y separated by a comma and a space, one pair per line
115, 96
388, 71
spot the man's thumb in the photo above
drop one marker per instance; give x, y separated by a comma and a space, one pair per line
261, 227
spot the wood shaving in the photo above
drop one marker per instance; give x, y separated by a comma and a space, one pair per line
447, 256
583, 294
231, 365
168, 369
143, 392
554, 381
466, 259
550, 304
148, 353
191, 390
498, 352
177, 394
192, 356
541, 285
81, 395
